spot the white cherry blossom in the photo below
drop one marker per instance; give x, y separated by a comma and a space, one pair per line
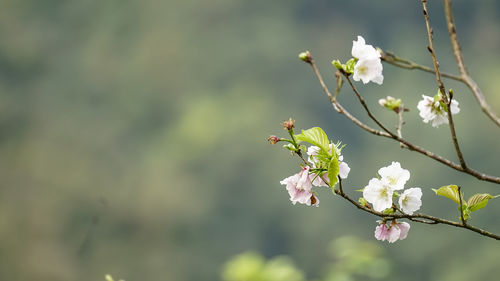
368, 70
361, 51
394, 176
344, 169
369, 66
431, 110
378, 194
410, 201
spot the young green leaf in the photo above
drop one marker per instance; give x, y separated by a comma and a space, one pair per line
349, 65
315, 136
479, 201
449, 191
333, 170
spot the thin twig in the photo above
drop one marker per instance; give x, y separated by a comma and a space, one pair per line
341, 190
430, 48
391, 58
461, 206
454, 134
365, 106
338, 107
465, 77
442, 89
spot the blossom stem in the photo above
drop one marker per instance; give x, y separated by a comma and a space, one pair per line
297, 147
341, 190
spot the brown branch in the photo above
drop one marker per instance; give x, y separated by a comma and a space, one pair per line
363, 103
391, 58
461, 206
453, 133
430, 48
465, 77
421, 218
442, 89
338, 107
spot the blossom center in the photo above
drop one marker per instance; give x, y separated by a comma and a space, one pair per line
384, 192
392, 180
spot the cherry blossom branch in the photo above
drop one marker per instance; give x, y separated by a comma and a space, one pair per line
421, 218
465, 77
365, 106
442, 89
338, 107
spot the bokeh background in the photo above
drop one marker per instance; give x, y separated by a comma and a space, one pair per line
133, 135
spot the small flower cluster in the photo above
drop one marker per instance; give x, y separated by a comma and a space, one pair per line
435, 110
392, 233
369, 66
299, 186
380, 192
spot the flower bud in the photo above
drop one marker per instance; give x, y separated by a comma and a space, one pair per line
289, 125
273, 139
390, 103
305, 56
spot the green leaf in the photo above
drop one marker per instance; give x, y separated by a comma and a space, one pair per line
337, 64
349, 65
479, 201
449, 191
333, 169
315, 136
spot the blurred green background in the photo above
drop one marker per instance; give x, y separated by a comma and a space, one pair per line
133, 135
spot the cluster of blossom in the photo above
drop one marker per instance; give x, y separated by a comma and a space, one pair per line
369, 66
299, 186
435, 110
392, 233
380, 192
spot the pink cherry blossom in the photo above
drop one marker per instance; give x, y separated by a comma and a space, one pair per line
397, 231
299, 188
